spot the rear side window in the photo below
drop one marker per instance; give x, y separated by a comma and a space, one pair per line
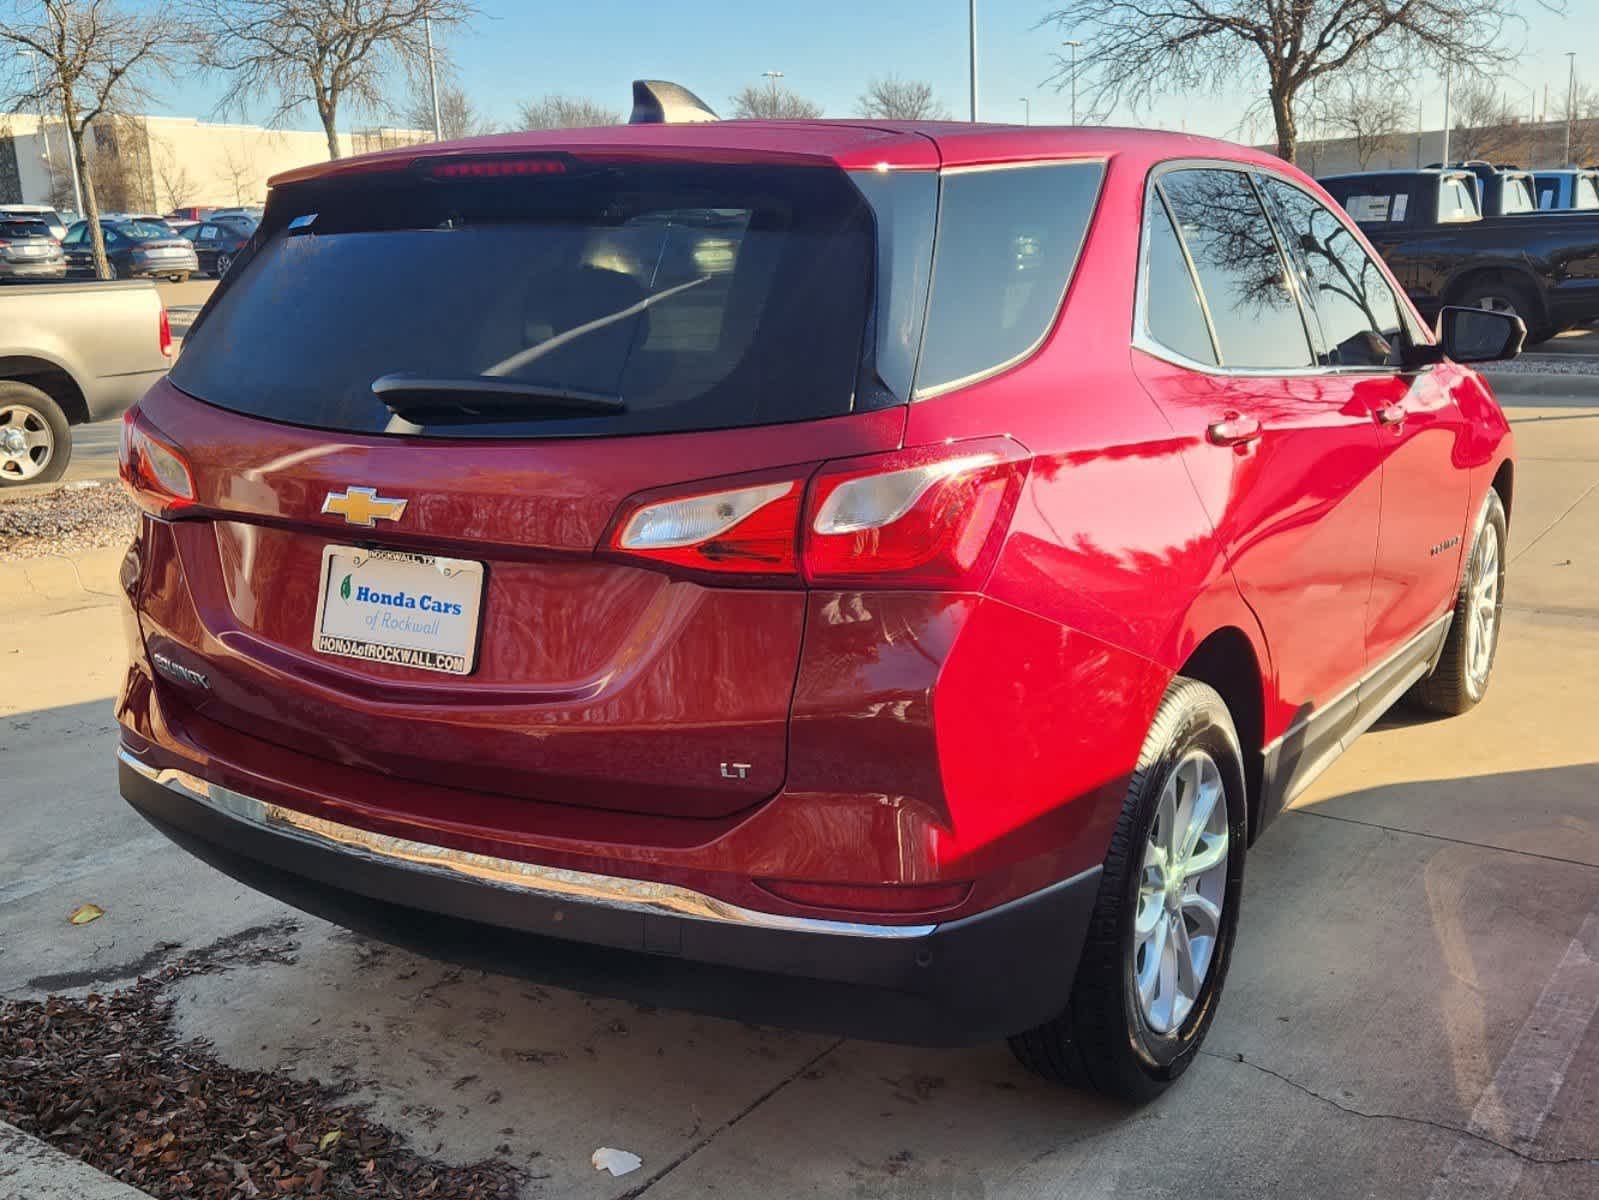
1516, 198
1172, 312
1457, 200
696, 296
1241, 271
1374, 206
1007, 244
1587, 194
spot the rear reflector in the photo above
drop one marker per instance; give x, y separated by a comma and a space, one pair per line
867, 897
156, 475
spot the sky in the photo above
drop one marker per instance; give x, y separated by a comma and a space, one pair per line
829, 49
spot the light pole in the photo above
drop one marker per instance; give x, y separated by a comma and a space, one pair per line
1074, 46
433, 79
1571, 101
1027, 107
1448, 96
771, 78
971, 24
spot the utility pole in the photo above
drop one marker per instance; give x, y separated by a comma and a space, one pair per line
1571, 102
1448, 96
44, 132
433, 79
1027, 107
772, 77
1074, 46
971, 21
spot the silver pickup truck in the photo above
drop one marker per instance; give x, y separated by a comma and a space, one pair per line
72, 353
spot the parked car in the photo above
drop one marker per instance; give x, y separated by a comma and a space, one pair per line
659, 542
36, 212
216, 244
188, 215
135, 250
1427, 225
1568, 188
27, 251
69, 354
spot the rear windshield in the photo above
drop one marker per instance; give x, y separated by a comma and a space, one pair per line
697, 296
23, 229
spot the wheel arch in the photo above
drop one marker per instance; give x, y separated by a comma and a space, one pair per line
1484, 272
49, 377
1504, 483
1227, 661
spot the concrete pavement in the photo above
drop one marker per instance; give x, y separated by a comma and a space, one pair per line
1410, 1011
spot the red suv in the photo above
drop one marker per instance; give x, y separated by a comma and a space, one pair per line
886, 572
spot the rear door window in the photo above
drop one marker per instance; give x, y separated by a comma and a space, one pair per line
698, 296
1457, 200
1516, 198
1587, 193
1007, 244
1241, 271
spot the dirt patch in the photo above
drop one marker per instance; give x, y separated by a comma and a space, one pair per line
65, 519
106, 1079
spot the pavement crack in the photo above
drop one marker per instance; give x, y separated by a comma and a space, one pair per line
1441, 837
1441, 1126
808, 1064
1549, 528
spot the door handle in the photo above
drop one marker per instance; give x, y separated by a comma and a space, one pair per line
1390, 414
1234, 429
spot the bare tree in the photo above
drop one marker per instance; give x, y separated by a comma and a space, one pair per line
1137, 49
564, 112
239, 173
118, 153
1369, 113
95, 57
458, 116
1483, 125
326, 53
894, 99
176, 187
774, 103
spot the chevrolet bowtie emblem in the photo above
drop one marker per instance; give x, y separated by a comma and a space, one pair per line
363, 506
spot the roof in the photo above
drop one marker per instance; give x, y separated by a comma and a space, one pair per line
851, 144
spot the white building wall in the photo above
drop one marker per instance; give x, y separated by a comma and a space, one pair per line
208, 164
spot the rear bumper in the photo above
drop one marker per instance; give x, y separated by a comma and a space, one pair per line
42, 269
961, 982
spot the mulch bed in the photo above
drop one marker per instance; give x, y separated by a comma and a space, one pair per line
105, 1079
64, 519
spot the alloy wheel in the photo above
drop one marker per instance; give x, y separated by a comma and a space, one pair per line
1181, 890
1499, 304
27, 443
223, 262
1482, 612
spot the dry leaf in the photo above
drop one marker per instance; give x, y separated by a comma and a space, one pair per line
85, 913
328, 1138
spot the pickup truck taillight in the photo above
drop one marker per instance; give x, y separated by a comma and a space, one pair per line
156, 475
923, 518
164, 333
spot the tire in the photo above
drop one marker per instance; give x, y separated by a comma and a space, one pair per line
116, 272
1111, 1038
1460, 679
35, 437
1508, 296
220, 267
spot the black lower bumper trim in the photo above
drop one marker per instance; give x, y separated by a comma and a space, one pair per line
965, 982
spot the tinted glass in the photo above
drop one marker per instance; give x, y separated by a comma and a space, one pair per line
1372, 202
1241, 272
75, 235
1457, 200
1007, 245
23, 229
700, 296
1359, 316
144, 231
1173, 316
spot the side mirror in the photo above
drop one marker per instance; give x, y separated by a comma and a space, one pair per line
1470, 335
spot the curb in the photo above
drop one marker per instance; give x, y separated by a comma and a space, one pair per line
32, 1170
1542, 383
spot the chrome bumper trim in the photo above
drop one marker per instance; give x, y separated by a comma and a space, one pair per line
637, 895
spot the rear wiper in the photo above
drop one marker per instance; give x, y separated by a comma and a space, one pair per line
404, 393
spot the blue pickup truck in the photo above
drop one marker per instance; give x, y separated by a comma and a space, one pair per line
1567, 189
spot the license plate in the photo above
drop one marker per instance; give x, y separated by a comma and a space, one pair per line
30, 251
413, 610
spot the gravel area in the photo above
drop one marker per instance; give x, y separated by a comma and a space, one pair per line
1547, 364
67, 519
105, 1079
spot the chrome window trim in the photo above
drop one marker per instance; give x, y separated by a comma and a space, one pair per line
918, 393
555, 883
1146, 342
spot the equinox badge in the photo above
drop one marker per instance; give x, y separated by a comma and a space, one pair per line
363, 506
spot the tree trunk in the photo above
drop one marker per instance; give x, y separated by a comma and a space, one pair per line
1282, 114
328, 110
91, 204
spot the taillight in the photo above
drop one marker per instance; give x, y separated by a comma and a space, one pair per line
930, 517
164, 333
746, 530
155, 474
